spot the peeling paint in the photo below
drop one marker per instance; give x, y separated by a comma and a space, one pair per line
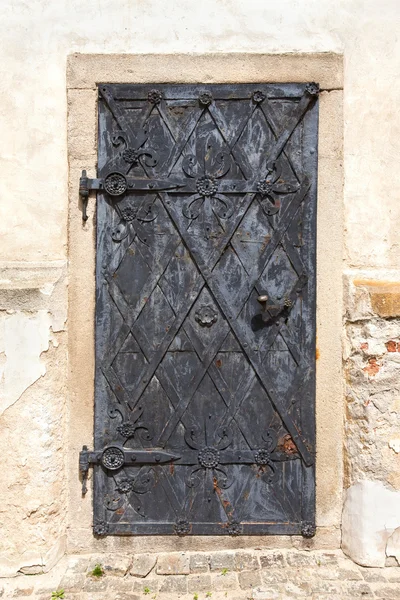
23, 338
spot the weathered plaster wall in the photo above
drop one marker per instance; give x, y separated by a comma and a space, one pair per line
37, 37
32, 415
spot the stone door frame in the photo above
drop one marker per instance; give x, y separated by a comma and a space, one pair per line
84, 71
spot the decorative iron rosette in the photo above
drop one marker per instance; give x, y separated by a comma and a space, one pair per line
205, 98
131, 156
206, 186
182, 527
112, 458
128, 214
125, 485
115, 184
264, 188
209, 458
100, 528
154, 96
308, 530
206, 315
312, 89
258, 96
234, 528
127, 430
262, 457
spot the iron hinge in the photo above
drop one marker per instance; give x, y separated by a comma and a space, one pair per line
115, 457
116, 184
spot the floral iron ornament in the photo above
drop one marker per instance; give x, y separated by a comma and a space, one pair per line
207, 202
133, 216
133, 487
271, 187
134, 152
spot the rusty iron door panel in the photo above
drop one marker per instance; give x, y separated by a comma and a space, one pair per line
205, 310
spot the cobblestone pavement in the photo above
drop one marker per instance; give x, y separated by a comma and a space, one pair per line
231, 575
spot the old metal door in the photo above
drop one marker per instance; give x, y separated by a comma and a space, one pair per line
205, 309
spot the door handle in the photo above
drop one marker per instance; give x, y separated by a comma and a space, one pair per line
268, 310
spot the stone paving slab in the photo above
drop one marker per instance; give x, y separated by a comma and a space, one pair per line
230, 575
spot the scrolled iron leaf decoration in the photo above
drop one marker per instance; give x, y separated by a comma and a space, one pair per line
132, 218
271, 187
207, 201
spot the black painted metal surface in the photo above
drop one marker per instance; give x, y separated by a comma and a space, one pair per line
205, 310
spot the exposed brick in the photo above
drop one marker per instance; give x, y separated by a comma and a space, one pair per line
176, 563
225, 582
272, 559
174, 584
249, 579
199, 563
142, 564
199, 583
222, 560
246, 561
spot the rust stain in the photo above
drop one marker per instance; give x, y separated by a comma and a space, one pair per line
317, 353
218, 363
172, 468
131, 251
120, 511
372, 368
287, 445
364, 346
